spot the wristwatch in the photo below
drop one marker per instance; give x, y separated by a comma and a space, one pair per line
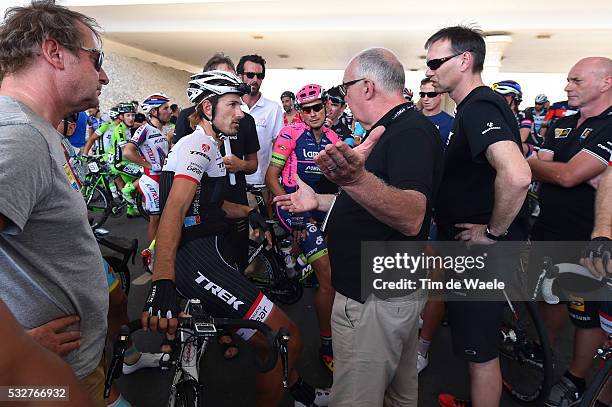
491, 236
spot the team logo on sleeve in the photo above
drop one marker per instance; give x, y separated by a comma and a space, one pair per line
205, 147
490, 126
562, 133
586, 133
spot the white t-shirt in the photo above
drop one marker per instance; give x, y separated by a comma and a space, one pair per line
268, 117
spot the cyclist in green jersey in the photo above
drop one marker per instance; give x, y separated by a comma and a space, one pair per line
127, 172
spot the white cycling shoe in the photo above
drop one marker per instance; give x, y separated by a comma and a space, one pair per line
321, 399
145, 360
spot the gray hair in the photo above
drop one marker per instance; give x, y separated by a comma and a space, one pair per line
382, 67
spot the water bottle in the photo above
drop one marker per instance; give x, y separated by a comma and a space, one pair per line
289, 260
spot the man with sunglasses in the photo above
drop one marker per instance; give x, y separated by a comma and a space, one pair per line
388, 185
293, 155
431, 101
481, 198
50, 264
268, 114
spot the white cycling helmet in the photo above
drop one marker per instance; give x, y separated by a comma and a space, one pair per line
114, 113
154, 101
541, 98
214, 83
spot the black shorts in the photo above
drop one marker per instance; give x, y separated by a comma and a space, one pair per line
203, 273
475, 328
583, 314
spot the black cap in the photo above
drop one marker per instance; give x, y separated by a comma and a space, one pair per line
288, 94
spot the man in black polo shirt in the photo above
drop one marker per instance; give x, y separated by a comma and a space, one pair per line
386, 196
482, 191
242, 161
574, 154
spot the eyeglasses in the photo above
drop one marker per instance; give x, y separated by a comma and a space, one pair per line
251, 75
434, 64
428, 94
317, 108
99, 56
344, 87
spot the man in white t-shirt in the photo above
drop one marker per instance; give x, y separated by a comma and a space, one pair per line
268, 115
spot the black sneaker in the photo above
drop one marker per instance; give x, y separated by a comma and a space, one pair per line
564, 394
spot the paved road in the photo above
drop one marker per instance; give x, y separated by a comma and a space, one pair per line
231, 383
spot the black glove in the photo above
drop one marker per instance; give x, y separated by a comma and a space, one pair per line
257, 221
162, 301
598, 247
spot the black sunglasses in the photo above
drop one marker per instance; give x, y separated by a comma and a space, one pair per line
344, 87
251, 75
434, 64
317, 108
99, 56
428, 94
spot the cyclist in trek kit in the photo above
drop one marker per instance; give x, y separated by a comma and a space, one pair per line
148, 147
191, 257
293, 156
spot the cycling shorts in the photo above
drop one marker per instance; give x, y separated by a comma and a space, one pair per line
475, 328
583, 314
111, 277
605, 316
314, 246
148, 186
203, 273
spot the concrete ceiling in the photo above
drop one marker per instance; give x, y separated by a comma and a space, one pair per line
324, 34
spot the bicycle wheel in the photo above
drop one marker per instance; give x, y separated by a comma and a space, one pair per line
123, 273
597, 386
99, 205
186, 394
140, 206
526, 357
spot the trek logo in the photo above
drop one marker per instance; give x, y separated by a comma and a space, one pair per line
310, 154
490, 126
223, 294
205, 147
201, 154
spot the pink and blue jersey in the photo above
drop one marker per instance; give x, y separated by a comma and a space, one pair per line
294, 151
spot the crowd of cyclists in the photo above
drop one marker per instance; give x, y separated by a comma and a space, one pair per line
192, 164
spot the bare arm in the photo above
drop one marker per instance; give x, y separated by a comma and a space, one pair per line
131, 153
250, 163
90, 141
236, 211
29, 364
403, 210
170, 225
603, 207
272, 181
581, 168
511, 183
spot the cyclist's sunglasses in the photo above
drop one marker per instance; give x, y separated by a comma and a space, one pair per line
251, 75
317, 108
434, 64
428, 94
99, 54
